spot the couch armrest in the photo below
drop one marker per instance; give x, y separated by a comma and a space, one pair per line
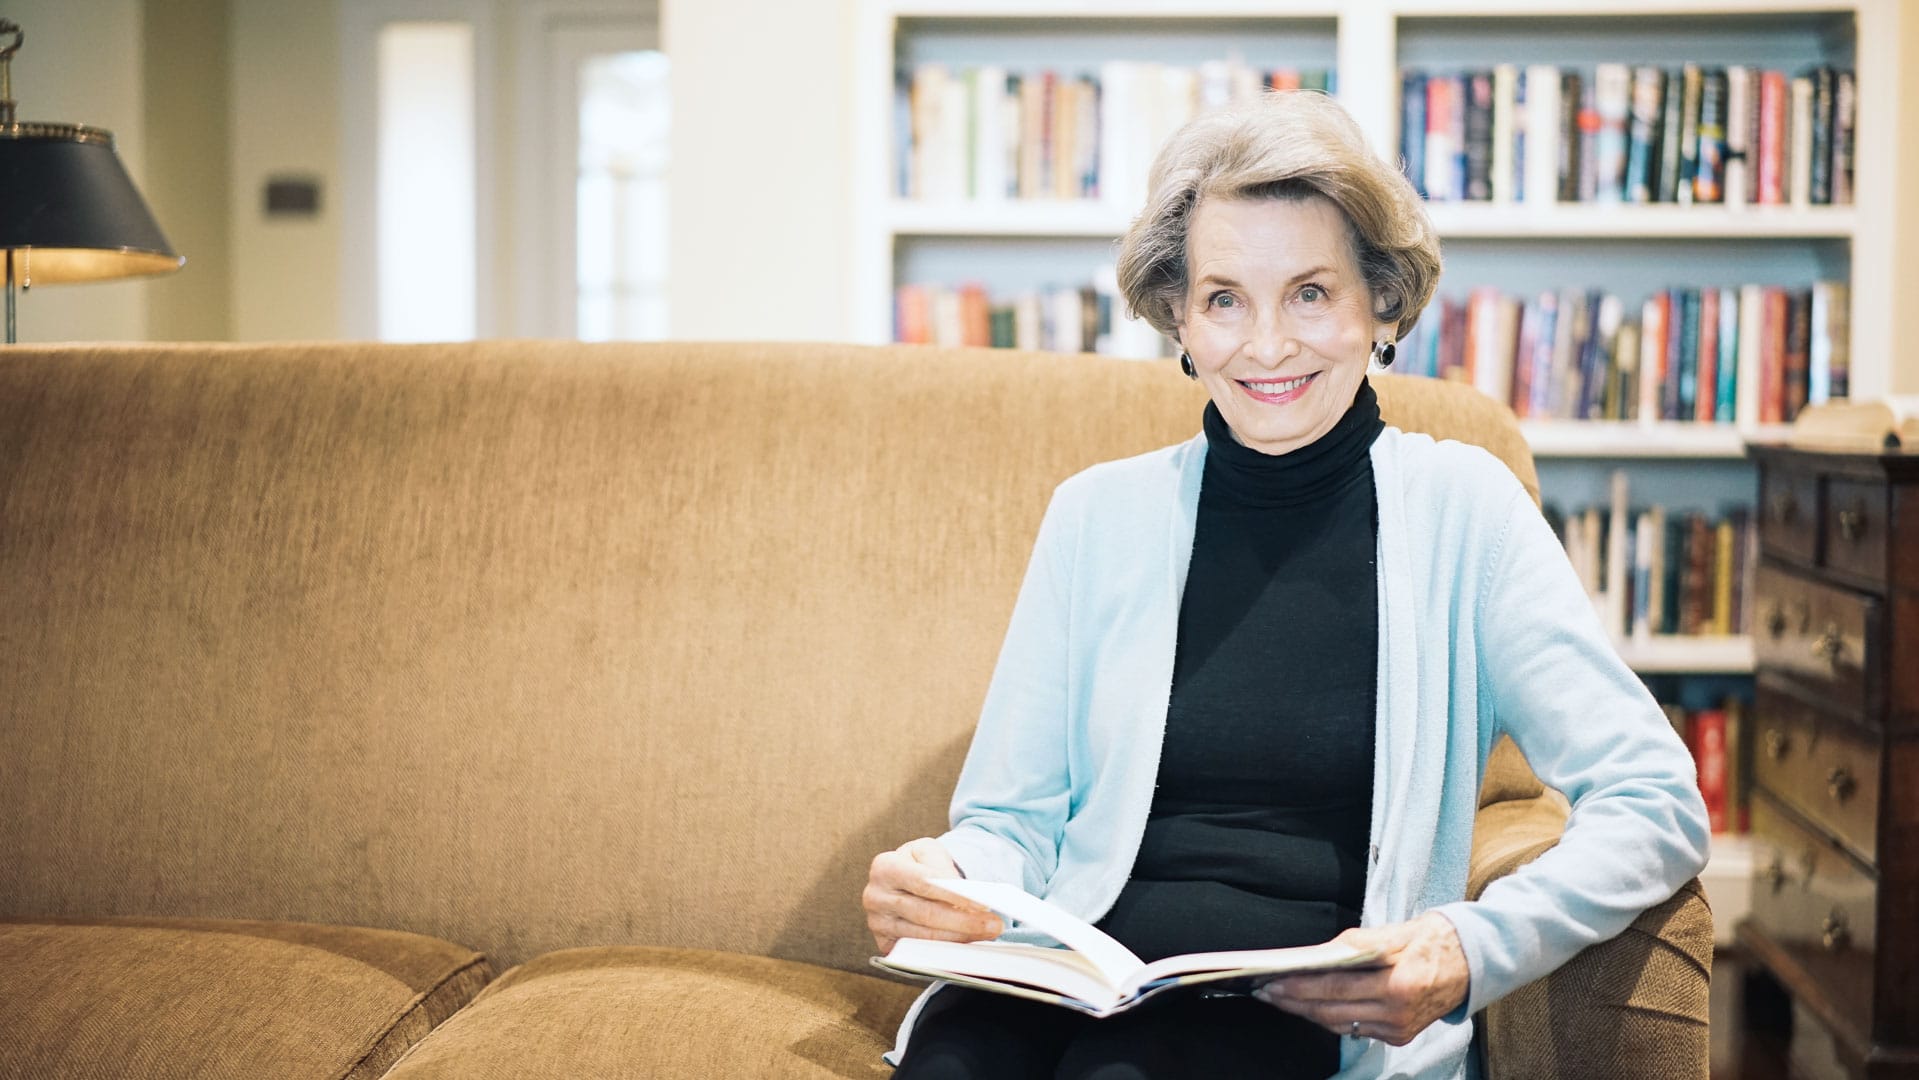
1634, 1006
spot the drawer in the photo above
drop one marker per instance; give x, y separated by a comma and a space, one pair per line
1828, 639
1826, 769
1816, 904
1853, 525
1789, 513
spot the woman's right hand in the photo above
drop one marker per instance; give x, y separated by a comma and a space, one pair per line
901, 902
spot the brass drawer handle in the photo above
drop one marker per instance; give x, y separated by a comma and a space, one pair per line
1829, 645
1777, 743
1840, 784
1833, 932
1775, 873
1775, 620
1852, 524
1783, 507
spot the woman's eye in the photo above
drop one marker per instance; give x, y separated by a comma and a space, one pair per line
1312, 294
1221, 299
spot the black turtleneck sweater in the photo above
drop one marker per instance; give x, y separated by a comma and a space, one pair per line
1258, 830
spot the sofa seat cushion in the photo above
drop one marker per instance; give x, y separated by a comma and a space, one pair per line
661, 1012
214, 998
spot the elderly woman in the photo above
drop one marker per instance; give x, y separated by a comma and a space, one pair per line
1251, 680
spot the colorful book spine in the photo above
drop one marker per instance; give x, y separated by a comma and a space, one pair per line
1727, 393
1709, 753
1772, 138
1844, 102
1708, 185
1706, 384
1797, 356
1642, 141
1670, 126
1691, 85
1412, 129
1570, 93
1479, 136
1819, 168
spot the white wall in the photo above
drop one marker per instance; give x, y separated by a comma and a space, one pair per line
1905, 362
761, 173
81, 64
187, 162
286, 119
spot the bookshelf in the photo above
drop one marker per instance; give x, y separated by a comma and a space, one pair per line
1630, 250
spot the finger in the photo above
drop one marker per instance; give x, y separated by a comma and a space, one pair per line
940, 916
907, 876
1371, 984
1375, 1020
899, 926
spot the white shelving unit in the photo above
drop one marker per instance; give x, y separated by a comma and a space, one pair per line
1661, 439
1619, 247
1665, 654
1368, 36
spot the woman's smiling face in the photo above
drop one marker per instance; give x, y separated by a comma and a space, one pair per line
1278, 321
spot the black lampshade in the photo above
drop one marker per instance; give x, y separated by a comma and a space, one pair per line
70, 212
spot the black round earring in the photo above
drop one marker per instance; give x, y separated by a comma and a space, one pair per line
1186, 365
1383, 353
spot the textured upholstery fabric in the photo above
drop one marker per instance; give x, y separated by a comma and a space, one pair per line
210, 999
682, 1012
529, 645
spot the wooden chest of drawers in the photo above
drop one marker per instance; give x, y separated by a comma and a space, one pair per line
1835, 814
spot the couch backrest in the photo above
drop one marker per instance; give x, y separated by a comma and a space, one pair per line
525, 645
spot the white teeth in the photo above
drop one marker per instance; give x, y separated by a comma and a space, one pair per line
1277, 387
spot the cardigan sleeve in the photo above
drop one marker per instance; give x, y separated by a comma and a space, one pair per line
1550, 676
1010, 805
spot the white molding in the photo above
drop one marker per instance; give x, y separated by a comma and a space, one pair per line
1600, 221
1093, 218
1110, 9
1611, 8
1640, 439
545, 252
1676, 654
870, 307
1728, 883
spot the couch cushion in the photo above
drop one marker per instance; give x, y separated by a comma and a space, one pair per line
213, 998
681, 1012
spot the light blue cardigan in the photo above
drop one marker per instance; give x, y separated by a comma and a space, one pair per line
1483, 629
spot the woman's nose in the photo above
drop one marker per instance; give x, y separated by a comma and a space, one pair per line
1273, 340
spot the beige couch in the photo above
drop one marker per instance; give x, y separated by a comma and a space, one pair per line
613, 665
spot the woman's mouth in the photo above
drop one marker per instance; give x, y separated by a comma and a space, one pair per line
1277, 391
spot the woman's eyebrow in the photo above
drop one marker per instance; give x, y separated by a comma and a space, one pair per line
1218, 279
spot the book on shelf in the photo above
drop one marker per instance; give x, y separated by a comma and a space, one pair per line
989, 133
1068, 319
1869, 426
1092, 973
1653, 572
1618, 133
1747, 355
1716, 738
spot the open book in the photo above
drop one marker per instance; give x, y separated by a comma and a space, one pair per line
1094, 973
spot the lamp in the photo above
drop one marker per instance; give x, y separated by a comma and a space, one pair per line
68, 209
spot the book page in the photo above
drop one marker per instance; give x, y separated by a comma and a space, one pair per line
1115, 962
1066, 973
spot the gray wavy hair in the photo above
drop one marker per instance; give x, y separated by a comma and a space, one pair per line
1283, 144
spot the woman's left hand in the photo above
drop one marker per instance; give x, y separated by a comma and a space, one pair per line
1423, 977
